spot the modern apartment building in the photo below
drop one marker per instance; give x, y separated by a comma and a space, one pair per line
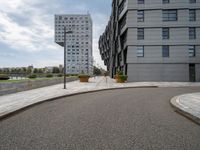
78, 42
153, 40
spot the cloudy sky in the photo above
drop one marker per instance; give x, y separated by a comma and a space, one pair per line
27, 29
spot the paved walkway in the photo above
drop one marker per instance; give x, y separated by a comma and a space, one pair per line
188, 105
13, 102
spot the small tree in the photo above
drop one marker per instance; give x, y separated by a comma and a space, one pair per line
24, 70
56, 70
29, 70
40, 70
35, 70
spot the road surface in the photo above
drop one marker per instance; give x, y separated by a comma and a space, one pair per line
128, 119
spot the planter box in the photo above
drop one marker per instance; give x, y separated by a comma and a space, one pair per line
84, 79
120, 78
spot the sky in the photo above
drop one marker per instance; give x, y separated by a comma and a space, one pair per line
27, 30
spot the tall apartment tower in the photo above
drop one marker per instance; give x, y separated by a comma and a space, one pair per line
78, 42
153, 40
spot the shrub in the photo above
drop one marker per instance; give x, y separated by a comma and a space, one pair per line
49, 75
32, 76
119, 72
60, 75
4, 77
123, 77
83, 76
73, 75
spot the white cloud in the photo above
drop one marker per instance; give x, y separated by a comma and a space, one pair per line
37, 36
35, 31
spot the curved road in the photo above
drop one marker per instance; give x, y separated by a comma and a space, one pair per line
129, 119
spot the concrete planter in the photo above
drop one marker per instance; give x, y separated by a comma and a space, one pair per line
120, 81
84, 79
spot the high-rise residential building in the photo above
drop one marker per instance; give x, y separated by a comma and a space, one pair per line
153, 40
78, 42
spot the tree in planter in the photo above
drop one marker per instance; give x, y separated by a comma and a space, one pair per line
118, 73
35, 70
83, 77
122, 78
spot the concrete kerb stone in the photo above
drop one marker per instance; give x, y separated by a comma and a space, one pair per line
178, 108
14, 112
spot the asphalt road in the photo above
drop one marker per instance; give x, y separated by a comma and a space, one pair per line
130, 119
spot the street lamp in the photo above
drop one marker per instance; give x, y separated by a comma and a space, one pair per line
65, 49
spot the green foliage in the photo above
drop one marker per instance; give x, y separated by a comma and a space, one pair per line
60, 75
4, 77
56, 70
119, 72
32, 76
83, 76
49, 75
71, 75
97, 71
123, 77
35, 70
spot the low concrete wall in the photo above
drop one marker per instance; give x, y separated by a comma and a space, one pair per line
8, 88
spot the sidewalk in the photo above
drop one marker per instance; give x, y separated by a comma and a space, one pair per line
188, 105
13, 102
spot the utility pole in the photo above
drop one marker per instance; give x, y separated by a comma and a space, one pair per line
65, 54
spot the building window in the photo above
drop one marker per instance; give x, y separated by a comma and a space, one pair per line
140, 51
165, 33
191, 51
192, 33
192, 15
165, 51
140, 34
165, 1
170, 15
140, 1
140, 16
192, 1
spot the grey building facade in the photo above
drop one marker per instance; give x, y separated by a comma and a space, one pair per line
78, 43
153, 40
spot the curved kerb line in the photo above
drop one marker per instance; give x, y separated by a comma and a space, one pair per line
15, 112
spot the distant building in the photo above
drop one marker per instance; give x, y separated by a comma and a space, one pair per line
79, 43
153, 40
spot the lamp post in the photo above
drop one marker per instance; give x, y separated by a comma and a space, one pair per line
65, 49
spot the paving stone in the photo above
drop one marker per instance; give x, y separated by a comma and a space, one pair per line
12, 102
